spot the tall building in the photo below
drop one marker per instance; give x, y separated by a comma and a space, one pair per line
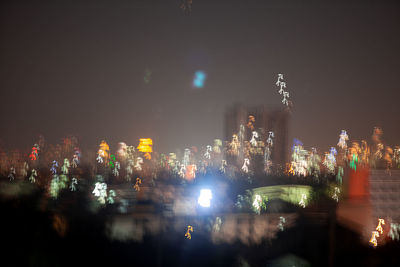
266, 119
370, 195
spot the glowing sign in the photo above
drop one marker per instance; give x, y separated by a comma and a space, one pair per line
205, 197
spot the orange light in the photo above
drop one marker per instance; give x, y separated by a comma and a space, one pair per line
145, 145
190, 172
373, 240
138, 182
104, 149
189, 229
379, 227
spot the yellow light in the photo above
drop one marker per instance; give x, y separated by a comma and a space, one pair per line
188, 235
379, 227
145, 145
373, 241
104, 149
138, 182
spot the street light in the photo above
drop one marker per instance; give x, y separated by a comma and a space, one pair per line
205, 198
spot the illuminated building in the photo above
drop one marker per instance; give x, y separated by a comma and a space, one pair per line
370, 195
384, 194
265, 120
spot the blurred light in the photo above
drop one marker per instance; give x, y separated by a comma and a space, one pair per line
205, 198
189, 229
379, 227
257, 202
138, 182
199, 79
373, 240
145, 145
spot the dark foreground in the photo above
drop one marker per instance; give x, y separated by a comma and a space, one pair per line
31, 236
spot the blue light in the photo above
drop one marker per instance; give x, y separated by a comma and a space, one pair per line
296, 142
199, 79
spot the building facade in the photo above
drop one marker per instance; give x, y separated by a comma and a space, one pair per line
266, 119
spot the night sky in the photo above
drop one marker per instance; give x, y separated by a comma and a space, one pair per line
77, 67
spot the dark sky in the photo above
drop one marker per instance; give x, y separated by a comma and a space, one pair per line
77, 67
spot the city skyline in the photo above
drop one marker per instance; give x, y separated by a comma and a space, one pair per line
124, 70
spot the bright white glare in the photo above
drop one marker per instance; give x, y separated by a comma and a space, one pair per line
257, 202
205, 198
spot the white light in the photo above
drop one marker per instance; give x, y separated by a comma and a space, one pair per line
257, 202
205, 198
